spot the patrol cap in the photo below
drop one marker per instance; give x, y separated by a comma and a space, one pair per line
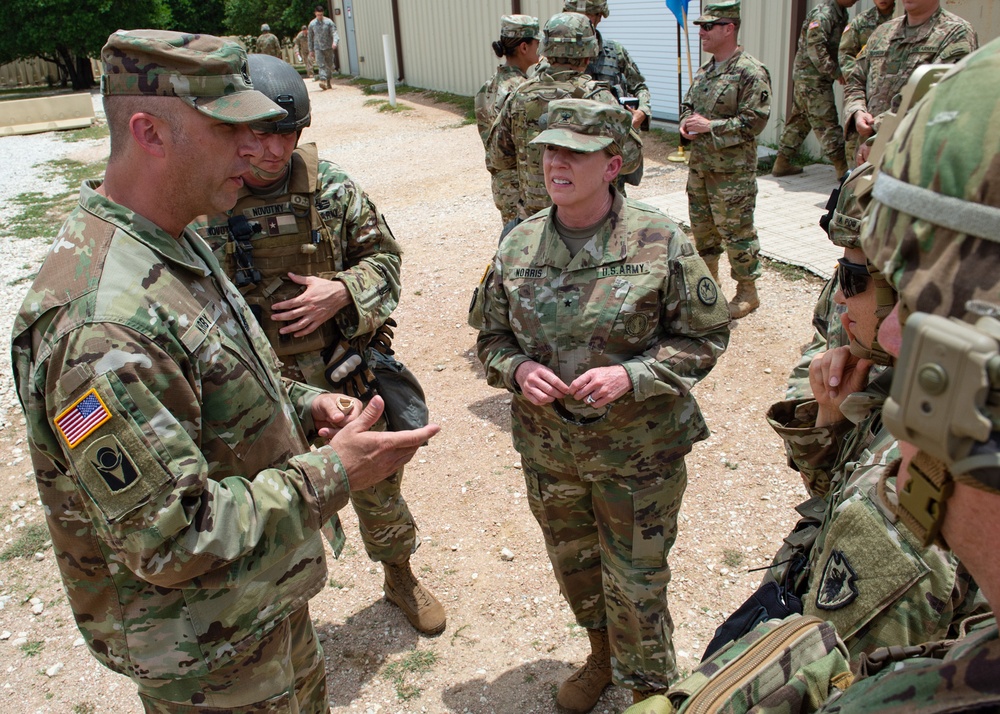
845, 223
715, 11
265, 27
587, 7
519, 27
569, 34
934, 220
207, 72
588, 126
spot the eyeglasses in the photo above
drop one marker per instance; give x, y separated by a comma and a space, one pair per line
853, 277
709, 26
567, 416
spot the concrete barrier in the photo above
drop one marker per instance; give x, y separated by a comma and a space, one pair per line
31, 116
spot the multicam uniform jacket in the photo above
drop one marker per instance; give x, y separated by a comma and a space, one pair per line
893, 52
489, 100
866, 573
856, 36
816, 61
510, 158
639, 296
736, 96
615, 67
173, 464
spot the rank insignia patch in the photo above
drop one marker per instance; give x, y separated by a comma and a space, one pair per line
82, 418
837, 587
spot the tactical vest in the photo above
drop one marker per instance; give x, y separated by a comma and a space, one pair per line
287, 235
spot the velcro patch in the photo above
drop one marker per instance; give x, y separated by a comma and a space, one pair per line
837, 587
82, 418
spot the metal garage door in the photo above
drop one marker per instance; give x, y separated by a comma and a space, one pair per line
649, 32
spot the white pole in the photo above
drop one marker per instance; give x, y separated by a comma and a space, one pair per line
390, 70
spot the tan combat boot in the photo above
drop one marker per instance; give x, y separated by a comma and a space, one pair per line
580, 692
712, 261
745, 301
421, 608
784, 167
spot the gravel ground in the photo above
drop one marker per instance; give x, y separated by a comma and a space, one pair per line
510, 637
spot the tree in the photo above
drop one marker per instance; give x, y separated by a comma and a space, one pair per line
286, 17
70, 32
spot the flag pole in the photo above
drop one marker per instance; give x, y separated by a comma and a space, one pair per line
680, 156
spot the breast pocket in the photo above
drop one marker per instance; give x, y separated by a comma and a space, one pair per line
528, 301
630, 318
727, 101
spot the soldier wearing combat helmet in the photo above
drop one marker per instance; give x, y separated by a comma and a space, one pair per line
316, 261
173, 463
568, 44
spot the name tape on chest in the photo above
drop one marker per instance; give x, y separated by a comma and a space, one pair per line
603, 271
82, 418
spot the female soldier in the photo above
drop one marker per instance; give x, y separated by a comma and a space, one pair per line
599, 315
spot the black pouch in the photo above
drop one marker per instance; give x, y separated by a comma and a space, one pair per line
405, 405
768, 602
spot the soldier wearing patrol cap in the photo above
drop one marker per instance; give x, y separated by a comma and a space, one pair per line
725, 109
602, 431
174, 465
568, 44
518, 44
319, 266
268, 43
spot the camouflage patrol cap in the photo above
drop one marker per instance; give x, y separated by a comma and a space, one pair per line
265, 27
569, 35
934, 222
587, 7
845, 223
519, 27
588, 126
725, 10
208, 73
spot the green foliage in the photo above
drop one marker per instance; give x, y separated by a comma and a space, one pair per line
31, 540
202, 16
285, 17
732, 557
417, 662
32, 648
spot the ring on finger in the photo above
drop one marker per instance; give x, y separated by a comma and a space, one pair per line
590, 399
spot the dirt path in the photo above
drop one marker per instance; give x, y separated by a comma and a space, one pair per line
510, 638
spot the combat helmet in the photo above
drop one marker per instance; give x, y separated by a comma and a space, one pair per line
587, 7
569, 35
932, 229
283, 85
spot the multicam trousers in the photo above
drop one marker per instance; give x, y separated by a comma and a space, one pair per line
283, 673
608, 542
721, 207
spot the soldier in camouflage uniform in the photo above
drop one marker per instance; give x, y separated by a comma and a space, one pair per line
519, 39
599, 316
301, 43
568, 44
320, 268
725, 109
853, 40
924, 34
814, 107
932, 232
181, 494
267, 43
323, 41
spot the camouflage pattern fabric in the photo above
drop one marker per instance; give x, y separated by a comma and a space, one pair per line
722, 180
866, 573
724, 10
510, 157
893, 51
288, 659
721, 208
965, 680
323, 42
587, 7
173, 464
828, 334
208, 73
814, 71
615, 67
637, 295
568, 35
268, 44
489, 99
301, 44
856, 36
355, 247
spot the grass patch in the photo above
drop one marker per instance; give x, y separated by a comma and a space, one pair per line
32, 648
788, 272
732, 558
383, 105
669, 138
415, 663
40, 215
465, 105
94, 131
802, 158
32, 539
84, 708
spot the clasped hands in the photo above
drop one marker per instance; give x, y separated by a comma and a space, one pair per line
597, 387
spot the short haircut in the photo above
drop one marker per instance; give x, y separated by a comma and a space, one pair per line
320, 8
119, 109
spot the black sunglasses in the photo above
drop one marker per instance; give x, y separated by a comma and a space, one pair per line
853, 277
709, 26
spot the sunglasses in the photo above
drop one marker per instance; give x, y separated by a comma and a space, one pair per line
853, 277
709, 26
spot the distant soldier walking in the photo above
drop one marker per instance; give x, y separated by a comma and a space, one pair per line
268, 43
301, 43
323, 41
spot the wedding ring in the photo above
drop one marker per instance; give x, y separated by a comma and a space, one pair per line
345, 404
590, 399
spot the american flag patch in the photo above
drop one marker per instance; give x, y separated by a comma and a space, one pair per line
81, 419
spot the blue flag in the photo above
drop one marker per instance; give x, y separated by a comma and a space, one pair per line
679, 8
